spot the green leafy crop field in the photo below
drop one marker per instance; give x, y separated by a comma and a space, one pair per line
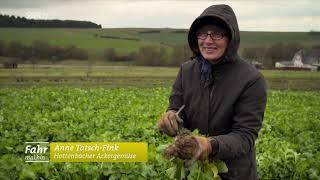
287, 147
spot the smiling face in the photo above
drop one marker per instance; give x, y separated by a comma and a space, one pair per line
213, 45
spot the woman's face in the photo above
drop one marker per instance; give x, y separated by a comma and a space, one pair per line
212, 44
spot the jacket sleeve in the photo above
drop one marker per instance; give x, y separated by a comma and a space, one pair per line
176, 97
247, 121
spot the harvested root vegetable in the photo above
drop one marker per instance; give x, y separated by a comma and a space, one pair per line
184, 147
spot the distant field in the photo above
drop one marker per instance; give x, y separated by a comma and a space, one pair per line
132, 76
90, 38
265, 38
82, 38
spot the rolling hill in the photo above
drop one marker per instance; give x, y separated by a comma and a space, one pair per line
126, 40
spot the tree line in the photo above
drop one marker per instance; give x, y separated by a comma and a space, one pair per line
40, 50
17, 21
150, 55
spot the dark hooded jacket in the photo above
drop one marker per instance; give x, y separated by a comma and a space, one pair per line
229, 107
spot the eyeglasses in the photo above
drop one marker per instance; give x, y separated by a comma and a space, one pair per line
213, 35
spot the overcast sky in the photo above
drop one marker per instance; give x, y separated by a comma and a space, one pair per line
253, 15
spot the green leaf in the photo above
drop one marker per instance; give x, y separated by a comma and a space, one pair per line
222, 167
171, 172
194, 170
214, 169
196, 132
180, 171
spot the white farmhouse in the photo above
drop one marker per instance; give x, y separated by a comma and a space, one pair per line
301, 62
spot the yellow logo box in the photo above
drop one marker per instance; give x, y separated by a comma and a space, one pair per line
98, 152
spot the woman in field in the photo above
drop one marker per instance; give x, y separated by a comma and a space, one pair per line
222, 96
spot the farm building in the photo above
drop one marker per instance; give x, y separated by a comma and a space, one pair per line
257, 64
300, 61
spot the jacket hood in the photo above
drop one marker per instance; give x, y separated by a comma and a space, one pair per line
213, 14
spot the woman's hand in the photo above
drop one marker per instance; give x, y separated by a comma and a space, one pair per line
168, 123
189, 147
